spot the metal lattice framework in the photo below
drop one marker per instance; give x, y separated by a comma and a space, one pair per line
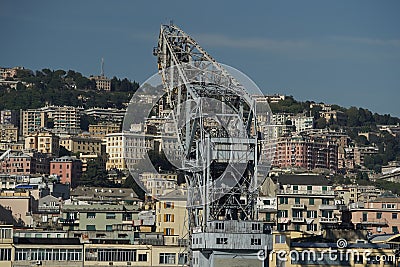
216, 128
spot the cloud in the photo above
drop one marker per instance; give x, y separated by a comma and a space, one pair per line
220, 40
367, 40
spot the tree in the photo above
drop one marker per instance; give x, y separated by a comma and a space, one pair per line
95, 175
320, 123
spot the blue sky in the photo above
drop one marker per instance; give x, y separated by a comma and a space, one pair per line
342, 52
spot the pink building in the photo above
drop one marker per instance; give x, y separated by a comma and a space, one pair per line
18, 164
69, 169
379, 216
306, 152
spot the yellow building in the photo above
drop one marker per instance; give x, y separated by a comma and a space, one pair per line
126, 149
101, 130
8, 133
306, 203
84, 145
43, 141
172, 217
32, 120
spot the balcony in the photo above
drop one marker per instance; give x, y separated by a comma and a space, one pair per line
283, 220
299, 206
298, 219
289, 191
328, 220
374, 222
327, 207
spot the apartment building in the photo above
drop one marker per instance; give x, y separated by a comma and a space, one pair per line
69, 169
32, 120
305, 203
126, 149
347, 194
112, 115
44, 142
171, 217
9, 117
378, 216
20, 203
158, 184
18, 164
306, 152
83, 144
100, 131
8, 133
64, 118
98, 217
361, 152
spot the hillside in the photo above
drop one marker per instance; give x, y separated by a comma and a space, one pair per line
36, 89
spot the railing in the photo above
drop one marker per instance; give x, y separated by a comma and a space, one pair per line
298, 219
298, 206
328, 220
151, 241
306, 192
381, 221
327, 207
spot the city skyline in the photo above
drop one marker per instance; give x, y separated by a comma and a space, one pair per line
343, 53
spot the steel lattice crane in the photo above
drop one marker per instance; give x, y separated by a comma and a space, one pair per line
216, 126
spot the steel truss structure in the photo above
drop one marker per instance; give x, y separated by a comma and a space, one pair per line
216, 127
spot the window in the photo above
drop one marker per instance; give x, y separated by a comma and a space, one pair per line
109, 228
110, 255
309, 187
297, 200
219, 226
267, 202
142, 257
283, 200
379, 215
168, 231
5, 254
90, 227
311, 201
168, 205
394, 215
280, 239
167, 258
283, 214
255, 242
110, 215
395, 230
222, 240
325, 201
365, 217
324, 188
311, 214
255, 226
91, 215
168, 217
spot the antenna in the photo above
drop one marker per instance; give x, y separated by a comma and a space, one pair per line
102, 67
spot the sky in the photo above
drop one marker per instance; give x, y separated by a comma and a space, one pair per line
339, 52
